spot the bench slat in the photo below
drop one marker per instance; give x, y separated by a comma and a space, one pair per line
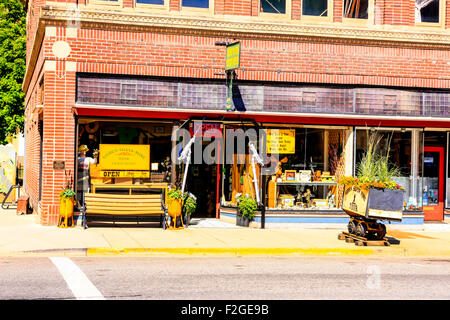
126, 212
115, 206
122, 196
124, 204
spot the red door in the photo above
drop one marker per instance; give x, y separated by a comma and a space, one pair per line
433, 183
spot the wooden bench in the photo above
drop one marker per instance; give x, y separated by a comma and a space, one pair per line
119, 207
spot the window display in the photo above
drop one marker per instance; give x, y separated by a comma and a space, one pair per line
308, 164
132, 157
399, 144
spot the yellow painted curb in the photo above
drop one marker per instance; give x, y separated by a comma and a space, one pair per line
227, 251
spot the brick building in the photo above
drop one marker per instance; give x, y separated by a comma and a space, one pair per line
326, 69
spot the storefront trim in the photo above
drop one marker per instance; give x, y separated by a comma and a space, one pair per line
266, 117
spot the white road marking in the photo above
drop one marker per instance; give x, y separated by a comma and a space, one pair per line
77, 281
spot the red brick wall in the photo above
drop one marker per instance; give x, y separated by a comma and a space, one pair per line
395, 12
195, 56
59, 137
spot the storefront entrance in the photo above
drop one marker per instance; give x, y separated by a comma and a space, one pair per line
433, 183
202, 182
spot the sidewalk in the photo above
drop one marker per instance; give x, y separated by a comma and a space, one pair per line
23, 235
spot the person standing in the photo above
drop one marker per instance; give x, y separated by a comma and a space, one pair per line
84, 162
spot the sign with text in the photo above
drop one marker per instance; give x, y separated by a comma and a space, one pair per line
233, 56
355, 200
124, 157
281, 141
124, 174
206, 130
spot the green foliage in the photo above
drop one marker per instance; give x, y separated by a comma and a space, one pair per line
375, 167
12, 67
174, 194
189, 204
247, 207
67, 193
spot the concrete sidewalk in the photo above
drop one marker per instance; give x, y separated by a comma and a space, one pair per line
23, 235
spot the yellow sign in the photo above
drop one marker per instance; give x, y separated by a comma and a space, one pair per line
233, 56
124, 157
124, 174
281, 141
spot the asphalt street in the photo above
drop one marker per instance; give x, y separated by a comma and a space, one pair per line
223, 278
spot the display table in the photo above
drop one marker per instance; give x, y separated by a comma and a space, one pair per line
274, 188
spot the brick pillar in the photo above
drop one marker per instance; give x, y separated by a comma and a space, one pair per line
338, 10
58, 119
379, 12
59, 135
255, 8
174, 5
296, 9
447, 15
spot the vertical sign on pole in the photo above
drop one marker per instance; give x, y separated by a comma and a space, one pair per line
232, 62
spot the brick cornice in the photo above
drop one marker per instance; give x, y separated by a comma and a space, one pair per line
221, 26
227, 27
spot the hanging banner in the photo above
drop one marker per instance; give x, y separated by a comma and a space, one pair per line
124, 157
281, 141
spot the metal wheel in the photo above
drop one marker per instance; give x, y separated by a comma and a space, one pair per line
361, 229
351, 227
381, 232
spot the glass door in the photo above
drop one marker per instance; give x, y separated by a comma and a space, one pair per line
433, 183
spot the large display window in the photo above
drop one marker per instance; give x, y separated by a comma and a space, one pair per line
309, 161
122, 157
404, 149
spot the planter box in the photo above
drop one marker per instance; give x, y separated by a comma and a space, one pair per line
240, 221
383, 204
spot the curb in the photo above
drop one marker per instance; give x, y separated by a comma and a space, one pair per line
228, 251
391, 252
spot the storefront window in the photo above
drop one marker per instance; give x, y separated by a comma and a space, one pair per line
309, 162
138, 154
398, 145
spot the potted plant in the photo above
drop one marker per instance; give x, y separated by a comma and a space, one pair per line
373, 194
67, 200
189, 206
174, 202
246, 210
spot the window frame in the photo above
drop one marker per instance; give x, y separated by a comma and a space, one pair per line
440, 24
272, 16
152, 7
359, 21
109, 3
327, 19
201, 11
